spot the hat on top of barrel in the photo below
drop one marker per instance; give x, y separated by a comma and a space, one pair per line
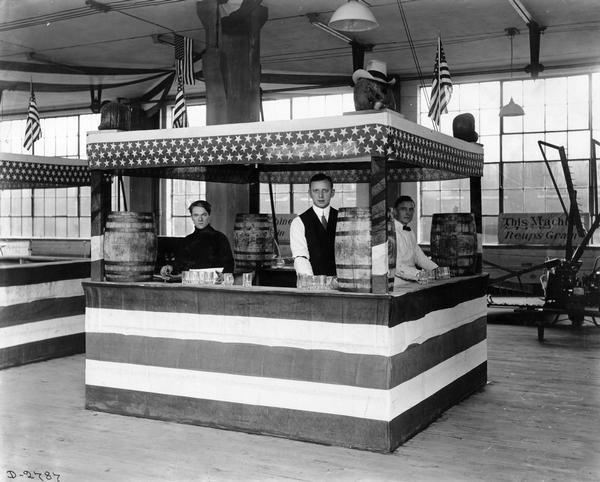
376, 70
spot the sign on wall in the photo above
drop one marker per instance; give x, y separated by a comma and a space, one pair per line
549, 229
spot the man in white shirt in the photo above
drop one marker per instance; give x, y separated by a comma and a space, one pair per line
312, 233
409, 256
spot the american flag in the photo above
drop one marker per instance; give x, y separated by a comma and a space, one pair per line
184, 63
441, 88
180, 111
33, 129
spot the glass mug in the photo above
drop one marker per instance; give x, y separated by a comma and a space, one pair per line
228, 279
247, 279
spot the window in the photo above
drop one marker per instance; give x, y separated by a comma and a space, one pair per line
56, 212
515, 178
293, 198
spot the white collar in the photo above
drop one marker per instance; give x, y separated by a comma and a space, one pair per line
322, 211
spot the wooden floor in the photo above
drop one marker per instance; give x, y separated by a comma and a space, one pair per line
537, 419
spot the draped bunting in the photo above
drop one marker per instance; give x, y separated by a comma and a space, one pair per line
21, 175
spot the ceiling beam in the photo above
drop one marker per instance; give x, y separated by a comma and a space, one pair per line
535, 32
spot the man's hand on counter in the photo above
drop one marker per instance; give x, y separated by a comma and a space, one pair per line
166, 271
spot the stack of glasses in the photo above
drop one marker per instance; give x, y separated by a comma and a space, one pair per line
315, 282
202, 277
425, 276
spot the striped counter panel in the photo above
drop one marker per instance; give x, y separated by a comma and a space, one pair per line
355, 370
42, 311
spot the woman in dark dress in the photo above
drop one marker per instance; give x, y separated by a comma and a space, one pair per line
204, 248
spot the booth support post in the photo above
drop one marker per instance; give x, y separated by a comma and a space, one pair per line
100, 207
378, 203
475, 185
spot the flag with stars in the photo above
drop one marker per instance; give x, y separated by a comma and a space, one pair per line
180, 111
441, 88
184, 61
33, 129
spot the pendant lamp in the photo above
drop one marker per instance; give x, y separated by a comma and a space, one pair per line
512, 109
353, 16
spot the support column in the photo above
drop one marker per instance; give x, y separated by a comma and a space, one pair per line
100, 207
231, 67
476, 209
379, 245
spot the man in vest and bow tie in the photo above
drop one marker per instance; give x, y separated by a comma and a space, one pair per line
409, 255
312, 234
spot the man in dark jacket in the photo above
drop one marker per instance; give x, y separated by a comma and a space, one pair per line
312, 234
204, 248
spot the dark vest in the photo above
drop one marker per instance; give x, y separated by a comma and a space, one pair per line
321, 243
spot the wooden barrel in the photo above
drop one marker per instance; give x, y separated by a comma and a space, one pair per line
454, 242
252, 241
130, 246
353, 249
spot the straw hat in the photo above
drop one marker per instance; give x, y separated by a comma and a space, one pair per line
376, 70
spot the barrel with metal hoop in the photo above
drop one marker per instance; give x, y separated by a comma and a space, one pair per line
130, 246
353, 249
252, 241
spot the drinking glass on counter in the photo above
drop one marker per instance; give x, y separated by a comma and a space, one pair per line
247, 279
228, 279
423, 277
443, 272
315, 282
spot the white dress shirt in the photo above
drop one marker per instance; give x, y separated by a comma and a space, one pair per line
298, 243
409, 257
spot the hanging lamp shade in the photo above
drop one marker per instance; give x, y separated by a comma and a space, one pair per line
353, 16
512, 109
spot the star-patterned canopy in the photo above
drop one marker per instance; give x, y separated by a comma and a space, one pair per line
21, 171
414, 153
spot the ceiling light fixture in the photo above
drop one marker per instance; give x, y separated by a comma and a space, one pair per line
353, 16
314, 20
512, 109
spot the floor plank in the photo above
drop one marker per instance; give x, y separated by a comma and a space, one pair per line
537, 419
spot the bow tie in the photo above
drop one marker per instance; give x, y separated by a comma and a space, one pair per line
405, 228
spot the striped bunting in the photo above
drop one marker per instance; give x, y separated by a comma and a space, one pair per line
33, 129
365, 371
342, 400
441, 88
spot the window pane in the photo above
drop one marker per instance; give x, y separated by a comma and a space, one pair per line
490, 229
556, 90
513, 175
430, 203
535, 200
489, 201
533, 174
556, 117
489, 123
531, 150
512, 148
61, 227
490, 179
579, 145
84, 227
512, 124
533, 120
513, 201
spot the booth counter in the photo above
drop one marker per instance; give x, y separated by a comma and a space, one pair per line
41, 308
357, 370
